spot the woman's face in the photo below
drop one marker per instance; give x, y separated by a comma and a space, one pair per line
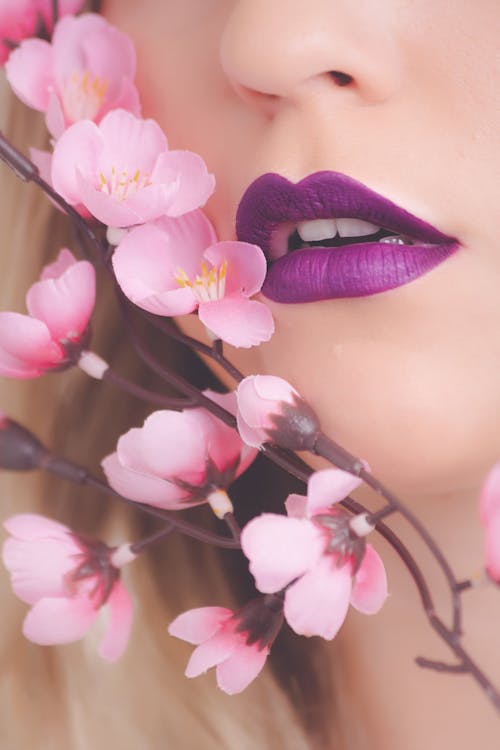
407, 378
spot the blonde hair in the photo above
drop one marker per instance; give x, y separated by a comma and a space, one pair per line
66, 698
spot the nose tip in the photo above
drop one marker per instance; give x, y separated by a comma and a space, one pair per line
271, 49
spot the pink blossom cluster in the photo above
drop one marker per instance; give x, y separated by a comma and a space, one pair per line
316, 556
51, 337
117, 168
67, 580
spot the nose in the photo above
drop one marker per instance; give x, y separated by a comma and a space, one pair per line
271, 50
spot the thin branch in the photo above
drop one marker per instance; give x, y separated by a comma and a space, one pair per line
72, 472
156, 399
440, 666
330, 450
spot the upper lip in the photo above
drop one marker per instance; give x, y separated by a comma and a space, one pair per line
272, 202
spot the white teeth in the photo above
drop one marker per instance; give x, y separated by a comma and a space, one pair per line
355, 227
393, 240
317, 229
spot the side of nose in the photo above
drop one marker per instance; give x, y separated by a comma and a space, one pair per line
274, 48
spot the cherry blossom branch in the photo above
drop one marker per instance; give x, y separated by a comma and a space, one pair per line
20, 450
80, 475
137, 547
336, 455
155, 399
323, 446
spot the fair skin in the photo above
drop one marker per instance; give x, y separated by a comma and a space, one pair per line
408, 379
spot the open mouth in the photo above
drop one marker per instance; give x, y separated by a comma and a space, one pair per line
332, 233
330, 236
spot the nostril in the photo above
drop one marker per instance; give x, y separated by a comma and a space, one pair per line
341, 79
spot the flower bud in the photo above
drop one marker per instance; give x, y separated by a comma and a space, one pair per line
270, 410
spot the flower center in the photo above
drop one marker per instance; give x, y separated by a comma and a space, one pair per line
209, 285
83, 96
120, 185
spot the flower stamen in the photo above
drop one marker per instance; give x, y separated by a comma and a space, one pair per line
120, 185
209, 285
83, 95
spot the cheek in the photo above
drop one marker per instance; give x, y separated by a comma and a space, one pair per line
409, 383
407, 380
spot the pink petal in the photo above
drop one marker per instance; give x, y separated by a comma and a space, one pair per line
146, 263
327, 487
280, 549
212, 652
242, 667
59, 620
146, 204
130, 143
492, 547
76, 158
26, 347
296, 506
247, 457
54, 117
489, 500
194, 185
29, 526
38, 566
317, 603
65, 304
238, 321
63, 262
270, 387
260, 396
247, 266
127, 98
198, 625
30, 72
252, 437
173, 444
226, 400
89, 44
121, 612
370, 584
224, 443
42, 160
144, 488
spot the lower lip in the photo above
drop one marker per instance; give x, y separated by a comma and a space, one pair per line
320, 273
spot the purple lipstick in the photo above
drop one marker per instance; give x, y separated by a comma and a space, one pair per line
329, 236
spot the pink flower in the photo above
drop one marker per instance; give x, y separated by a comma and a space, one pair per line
67, 580
86, 71
20, 19
175, 266
236, 643
60, 305
178, 459
314, 553
269, 409
122, 172
489, 507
